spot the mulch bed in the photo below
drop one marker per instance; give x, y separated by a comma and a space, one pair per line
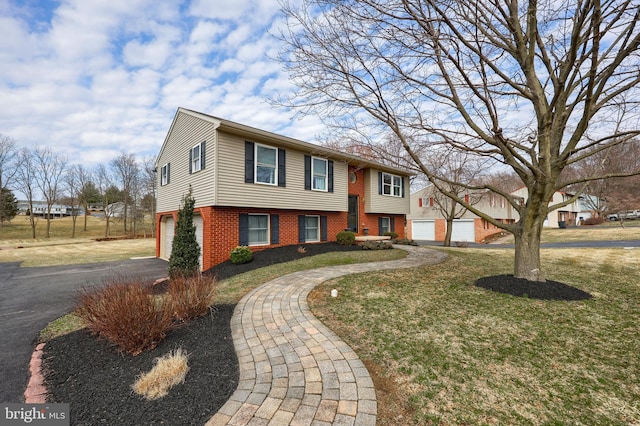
90, 375
548, 290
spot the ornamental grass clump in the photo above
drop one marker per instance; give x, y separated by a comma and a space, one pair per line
169, 370
125, 313
191, 297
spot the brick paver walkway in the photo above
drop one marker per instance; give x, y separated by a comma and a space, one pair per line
293, 369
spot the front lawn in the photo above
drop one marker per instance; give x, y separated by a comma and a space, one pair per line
443, 351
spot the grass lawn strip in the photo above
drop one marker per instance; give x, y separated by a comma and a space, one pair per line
464, 355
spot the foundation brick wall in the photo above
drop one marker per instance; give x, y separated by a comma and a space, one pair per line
221, 229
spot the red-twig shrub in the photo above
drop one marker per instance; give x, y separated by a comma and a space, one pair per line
191, 296
125, 313
593, 221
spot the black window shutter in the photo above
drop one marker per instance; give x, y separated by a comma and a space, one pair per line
330, 175
168, 173
282, 168
202, 154
323, 228
190, 160
301, 229
244, 229
379, 226
380, 183
392, 225
249, 154
307, 172
402, 186
275, 229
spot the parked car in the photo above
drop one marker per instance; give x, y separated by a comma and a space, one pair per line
613, 216
628, 215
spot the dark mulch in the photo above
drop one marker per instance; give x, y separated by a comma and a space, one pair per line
90, 375
95, 379
548, 290
277, 255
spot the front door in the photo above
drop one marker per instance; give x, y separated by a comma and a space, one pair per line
352, 216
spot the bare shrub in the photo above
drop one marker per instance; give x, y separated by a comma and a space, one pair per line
593, 221
168, 371
190, 297
125, 313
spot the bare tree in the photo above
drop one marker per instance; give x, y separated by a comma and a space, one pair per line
535, 86
460, 170
73, 184
8, 165
50, 168
87, 192
148, 182
126, 170
26, 183
104, 181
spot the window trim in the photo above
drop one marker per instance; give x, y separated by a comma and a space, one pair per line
268, 242
382, 219
391, 186
196, 159
325, 176
257, 164
164, 175
318, 228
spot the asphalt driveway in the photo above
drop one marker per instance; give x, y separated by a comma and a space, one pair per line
30, 298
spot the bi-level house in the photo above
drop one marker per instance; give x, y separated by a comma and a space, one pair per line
259, 189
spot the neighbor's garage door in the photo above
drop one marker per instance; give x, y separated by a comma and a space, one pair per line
423, 230
463, 230
197, 221
169, 230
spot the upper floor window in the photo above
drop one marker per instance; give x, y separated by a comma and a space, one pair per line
196, 157
320, 173
391, 185
266, 164
164, 175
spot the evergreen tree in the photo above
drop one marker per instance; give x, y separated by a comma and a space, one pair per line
185, 252
8, 205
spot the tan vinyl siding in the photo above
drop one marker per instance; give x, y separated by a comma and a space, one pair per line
233, 191
187, 131
376, 203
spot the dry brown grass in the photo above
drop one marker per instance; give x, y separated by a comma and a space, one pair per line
168, 371
74, 251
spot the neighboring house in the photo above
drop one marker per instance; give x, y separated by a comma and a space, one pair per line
259, 189
40, 209
567, 216
426, 221
117, 210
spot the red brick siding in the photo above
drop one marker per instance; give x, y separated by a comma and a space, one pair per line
221, 230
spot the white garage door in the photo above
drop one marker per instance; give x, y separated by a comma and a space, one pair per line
423, 230
463, 230
197, 221
169, 230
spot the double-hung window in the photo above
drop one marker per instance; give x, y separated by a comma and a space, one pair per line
385, 225
266, 164
320, 173
258, 229
164, 175
391, 185
196, 158
312, 228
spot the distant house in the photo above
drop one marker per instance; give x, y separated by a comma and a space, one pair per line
259, 189
40, 209
426, 222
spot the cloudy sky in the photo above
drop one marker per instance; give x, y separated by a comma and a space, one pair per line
94, 78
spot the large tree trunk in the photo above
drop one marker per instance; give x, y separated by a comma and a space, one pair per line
447, 235
527, 241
